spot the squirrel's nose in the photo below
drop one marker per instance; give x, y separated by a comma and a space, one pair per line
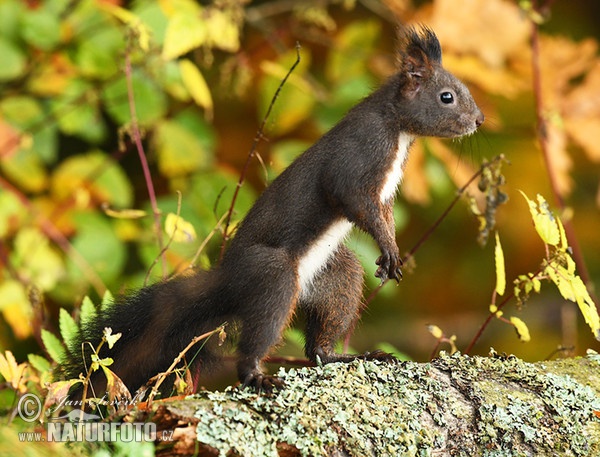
479, 119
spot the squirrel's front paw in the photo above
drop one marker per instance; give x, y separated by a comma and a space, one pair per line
262, 383
389, 266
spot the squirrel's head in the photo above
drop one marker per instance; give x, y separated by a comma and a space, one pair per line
436, 102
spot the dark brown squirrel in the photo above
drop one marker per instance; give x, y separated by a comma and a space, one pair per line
289, 250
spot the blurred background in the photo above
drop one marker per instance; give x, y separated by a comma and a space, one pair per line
75, 212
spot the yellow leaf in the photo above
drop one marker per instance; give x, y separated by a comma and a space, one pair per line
185, 31
521, 329
124, 213
196, 85
132, 21
16, 308
500, 270
178, 229
222, 31
435, 331
543, 220
493, 308
12, 372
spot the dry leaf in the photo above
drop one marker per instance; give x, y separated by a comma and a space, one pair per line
581, 113
493, 30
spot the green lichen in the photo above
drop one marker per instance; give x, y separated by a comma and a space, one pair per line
454, 404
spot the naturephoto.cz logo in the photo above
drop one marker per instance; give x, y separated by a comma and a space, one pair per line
77, 425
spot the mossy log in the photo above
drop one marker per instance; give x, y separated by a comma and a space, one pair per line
453, 406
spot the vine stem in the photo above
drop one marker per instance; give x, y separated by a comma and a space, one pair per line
137, 138
259, 135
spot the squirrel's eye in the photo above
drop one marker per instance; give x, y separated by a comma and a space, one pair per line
446, 98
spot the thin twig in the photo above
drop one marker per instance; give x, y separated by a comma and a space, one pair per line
137, 138
163, 376
259, 135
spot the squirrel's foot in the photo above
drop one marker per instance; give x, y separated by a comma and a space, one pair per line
261, 382
382, 356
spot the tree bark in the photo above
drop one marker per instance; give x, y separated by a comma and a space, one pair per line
453, 406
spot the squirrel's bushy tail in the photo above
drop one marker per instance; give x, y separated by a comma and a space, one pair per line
156, 323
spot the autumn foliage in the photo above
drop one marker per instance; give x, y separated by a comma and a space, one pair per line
123, 131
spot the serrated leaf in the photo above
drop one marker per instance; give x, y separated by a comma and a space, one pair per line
500, 269
178, 229
87, 311
68, 327
53, 346
521, 329
196, 85
38, 362
107, 300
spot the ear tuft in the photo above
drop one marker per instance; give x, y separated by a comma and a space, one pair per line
418, 50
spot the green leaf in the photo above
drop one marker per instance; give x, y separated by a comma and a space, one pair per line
107, 300
150, 100
12, 213
27, 114
36, 259
87, 312
78, 113
38, 362
179, 150
53, 346
521, 329
93, 175
68, 328
500, 269
352, 49
97, 242
41, 28
13, 61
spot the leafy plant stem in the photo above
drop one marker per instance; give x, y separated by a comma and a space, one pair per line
542, 134
137, 138
259, 135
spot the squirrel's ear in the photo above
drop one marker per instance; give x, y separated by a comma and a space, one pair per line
418, 52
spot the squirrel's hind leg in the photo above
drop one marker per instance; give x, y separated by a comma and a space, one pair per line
266, 301
332, 308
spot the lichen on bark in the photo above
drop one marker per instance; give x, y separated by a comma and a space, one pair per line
454, 405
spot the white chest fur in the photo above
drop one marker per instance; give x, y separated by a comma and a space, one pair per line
315, 259
394, 175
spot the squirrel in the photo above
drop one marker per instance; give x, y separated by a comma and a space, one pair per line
289, 249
